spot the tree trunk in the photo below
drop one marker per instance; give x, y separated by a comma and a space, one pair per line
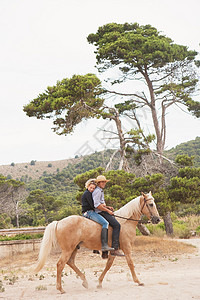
123, 161
168, 224
159, 142
143, 229
17, 214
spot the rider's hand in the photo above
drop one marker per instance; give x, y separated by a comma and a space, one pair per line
111, 212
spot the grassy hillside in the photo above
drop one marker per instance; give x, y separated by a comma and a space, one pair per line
192, 148
62, 181
35, 169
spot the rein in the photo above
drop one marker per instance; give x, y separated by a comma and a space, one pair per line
129, 219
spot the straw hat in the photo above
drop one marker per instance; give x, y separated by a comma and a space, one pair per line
101, 178
90, 181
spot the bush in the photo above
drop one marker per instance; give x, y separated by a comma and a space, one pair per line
198, 230
32, 163
181, 230
49, 165
5, 221
12, 164
21, 237
156, 230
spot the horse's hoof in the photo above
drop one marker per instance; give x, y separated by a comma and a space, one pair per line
85, 284
99, 286
141, 284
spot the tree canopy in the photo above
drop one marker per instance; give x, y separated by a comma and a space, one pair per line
142, 53
68, 102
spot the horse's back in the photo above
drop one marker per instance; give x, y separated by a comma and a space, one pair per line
75, 229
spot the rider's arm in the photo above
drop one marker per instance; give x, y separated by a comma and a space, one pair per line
98, 202
104, 208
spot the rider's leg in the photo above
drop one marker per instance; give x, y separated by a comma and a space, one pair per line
104, 233
116, 231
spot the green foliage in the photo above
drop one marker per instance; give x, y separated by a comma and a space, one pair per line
122, 186
43, 206
12, 164
145, 51
189, 172
184, 190
49, 165
19, 237
68, 102
181, 230
191, 148
184, 160
5, 221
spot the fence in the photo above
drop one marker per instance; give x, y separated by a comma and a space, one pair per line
11, 248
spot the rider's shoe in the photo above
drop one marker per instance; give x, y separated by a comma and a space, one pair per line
116, 253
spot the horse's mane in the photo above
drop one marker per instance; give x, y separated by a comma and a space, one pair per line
126, 211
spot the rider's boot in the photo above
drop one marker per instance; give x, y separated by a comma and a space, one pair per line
104, 241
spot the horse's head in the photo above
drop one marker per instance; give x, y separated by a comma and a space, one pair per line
148, 208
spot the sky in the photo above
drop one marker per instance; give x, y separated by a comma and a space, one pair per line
43, 41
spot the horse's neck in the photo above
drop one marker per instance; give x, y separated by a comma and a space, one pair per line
129, 211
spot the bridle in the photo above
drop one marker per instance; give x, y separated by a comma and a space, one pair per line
145, 203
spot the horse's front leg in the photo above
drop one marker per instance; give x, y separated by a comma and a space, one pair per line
107, 267
131, 266
71, 263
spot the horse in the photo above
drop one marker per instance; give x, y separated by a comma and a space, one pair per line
74, 231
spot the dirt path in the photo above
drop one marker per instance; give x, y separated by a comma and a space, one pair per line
166, 276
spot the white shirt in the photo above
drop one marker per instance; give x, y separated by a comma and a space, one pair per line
98, 198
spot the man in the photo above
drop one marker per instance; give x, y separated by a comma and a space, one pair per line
107, 212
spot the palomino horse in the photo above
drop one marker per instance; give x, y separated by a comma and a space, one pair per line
73, 231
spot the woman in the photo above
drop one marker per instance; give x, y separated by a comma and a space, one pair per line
88, 211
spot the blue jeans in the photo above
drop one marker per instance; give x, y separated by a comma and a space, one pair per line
92, 215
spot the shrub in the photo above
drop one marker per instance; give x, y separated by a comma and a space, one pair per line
49, 165
198, 230
181, 230
21, 237
156, 230
32, 163
12, 164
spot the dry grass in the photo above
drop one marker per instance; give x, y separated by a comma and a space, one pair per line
37, 170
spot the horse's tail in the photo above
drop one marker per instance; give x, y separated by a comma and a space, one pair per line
49, 240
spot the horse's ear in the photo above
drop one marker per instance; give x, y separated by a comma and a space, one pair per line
142, 194
150, 193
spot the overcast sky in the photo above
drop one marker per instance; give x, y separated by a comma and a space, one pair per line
43, 41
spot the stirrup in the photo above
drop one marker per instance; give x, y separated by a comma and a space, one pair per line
107, 248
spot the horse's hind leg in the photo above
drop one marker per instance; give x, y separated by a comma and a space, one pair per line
74, 267
107, 267
60, 266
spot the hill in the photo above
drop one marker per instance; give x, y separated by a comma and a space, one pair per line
35, 169
192, 148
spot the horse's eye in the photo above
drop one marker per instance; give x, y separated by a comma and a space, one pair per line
151, 204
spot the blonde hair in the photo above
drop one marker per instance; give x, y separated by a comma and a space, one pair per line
90, 181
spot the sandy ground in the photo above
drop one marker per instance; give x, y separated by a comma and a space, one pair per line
167, 274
